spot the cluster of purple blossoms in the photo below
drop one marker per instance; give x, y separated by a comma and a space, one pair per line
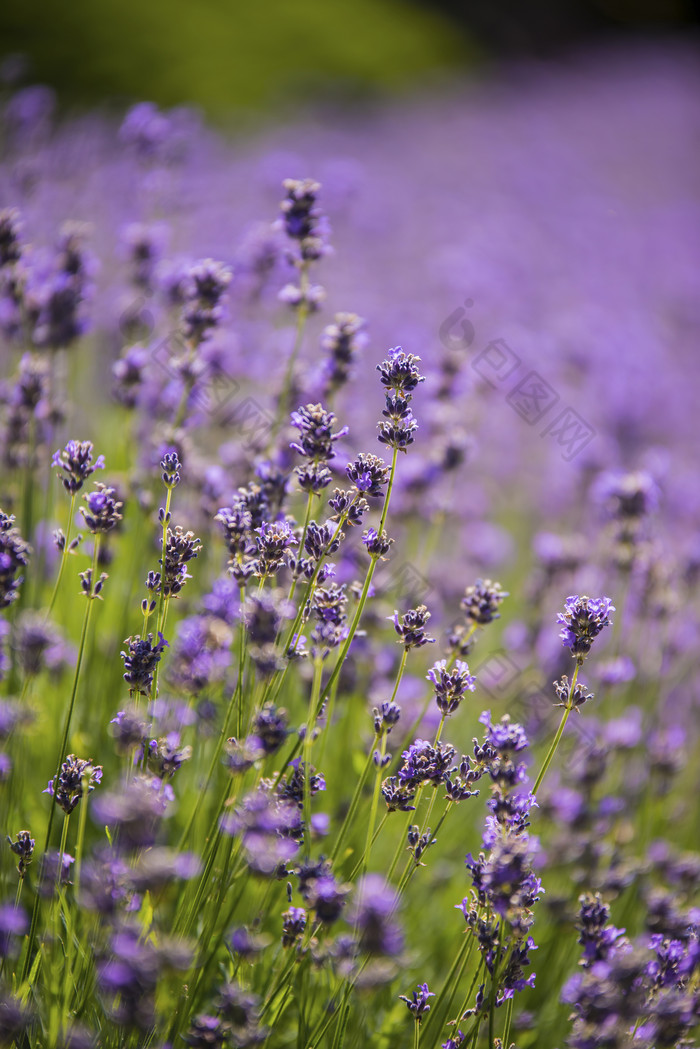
203, 311
14, 556
303, 221
341, 341
102, 512
315, 442
399, 376
55, 294
263, 614
77, 776
135, 811
270, 829
328, 607
128, 975
451, 685
482, 600
31, 410
77, 463
480, 606
425, 762
235, 1021
141, 660
505, 888
373, 914
274, 541
582, 620
22, 846
418, 1004
411, 627
368, 473
201, 653
181, 547
293, 925
649, 988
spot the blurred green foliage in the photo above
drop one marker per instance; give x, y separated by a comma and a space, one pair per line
226, 55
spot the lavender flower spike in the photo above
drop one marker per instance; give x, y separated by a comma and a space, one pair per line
418, 1002
583, 619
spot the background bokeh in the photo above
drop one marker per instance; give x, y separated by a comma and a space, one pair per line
234, 58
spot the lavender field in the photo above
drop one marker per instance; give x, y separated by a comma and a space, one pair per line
349, 551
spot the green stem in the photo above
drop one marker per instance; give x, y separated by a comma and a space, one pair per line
560, 732
306, 766
349, 815
62, 749
302, 314
64, 556
509, 1017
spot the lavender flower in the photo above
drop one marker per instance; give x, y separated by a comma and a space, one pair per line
206, 285
411, 627
481, 601
76, 776
76, 461
579, 696
378, 544
341, 340
10, 230
316, 439
170, 465
302, 219
418, 1002
583, 619
450, 685
23, 846
140, 662
180, 548
14, 555
374, 915
424, 762
293, 926
368, 473
102, 513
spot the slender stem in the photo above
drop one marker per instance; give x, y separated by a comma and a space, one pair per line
306, 765
509, 1017
354, 802
64, 742
365, 589
162, 601
364, 864
64, 555
454, 976
560, 732
307, 518
302, 314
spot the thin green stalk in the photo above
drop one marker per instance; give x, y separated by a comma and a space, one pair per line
560, 732
64, 555
365, 589
306, 766
349, 815
302, 314
452, 981
62, 749
509, 1018
380, 768
305, 528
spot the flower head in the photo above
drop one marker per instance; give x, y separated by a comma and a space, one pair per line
77, 463
583, 619
76, 774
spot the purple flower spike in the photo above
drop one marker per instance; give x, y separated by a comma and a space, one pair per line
583, 619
